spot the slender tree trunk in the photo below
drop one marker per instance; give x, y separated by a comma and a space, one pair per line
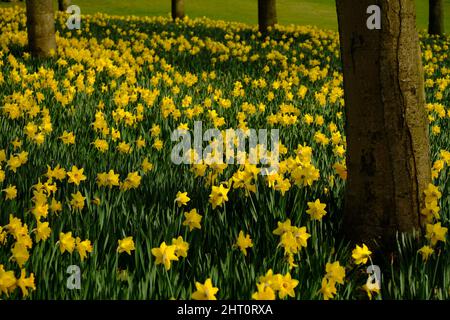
177, 9
387, 132
41, 27
267, 14
436, 23
63, 5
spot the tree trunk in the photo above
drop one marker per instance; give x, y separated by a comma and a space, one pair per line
267, 14
177, 9
63, 5
387, 132
41, 27
436, 23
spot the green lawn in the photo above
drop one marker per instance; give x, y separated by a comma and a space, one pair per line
314, 12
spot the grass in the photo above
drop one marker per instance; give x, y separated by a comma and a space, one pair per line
321, 13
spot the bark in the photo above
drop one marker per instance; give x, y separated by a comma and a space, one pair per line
267, 14
177, 9
41, 27
388, 159
63, 5
436, 18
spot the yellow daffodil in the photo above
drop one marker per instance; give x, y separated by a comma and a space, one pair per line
361, 254
66, 242
76, 175
316, 210
335, 272
435, 232
218, 196
10, 192
264, 293
182, 198
287, 286
192, 220
25, 283
77, 201
83, 247
165, 254
42, 231
181, 247
244, 242
426, 252
126, 245
20, 253
328, 288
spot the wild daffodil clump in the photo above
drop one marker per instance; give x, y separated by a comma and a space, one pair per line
86, 176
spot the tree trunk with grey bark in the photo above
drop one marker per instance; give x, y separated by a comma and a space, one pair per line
41, 27
267, 15
436, 17
388, 158
177, 9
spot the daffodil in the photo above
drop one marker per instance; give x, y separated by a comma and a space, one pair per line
77, 201
371, 290
40, 210
426, 252
76, 175
264, 293
67, 137
361, 254
158, 144
109, 179
3, 236
182, 198
218, 196
316, 210
328, 288
181, 247
42, 231
432, 193
165, 255
244, 242
55, 206
287, 286
435, 232
25, 283
335, 272
126, 245
13, 163
83, 247
101, 145
192, 220
20, 253
57, 173
301, 236
66, 242
10, 192
205, 291
132, 181
146, 165
283, 227
7, 280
